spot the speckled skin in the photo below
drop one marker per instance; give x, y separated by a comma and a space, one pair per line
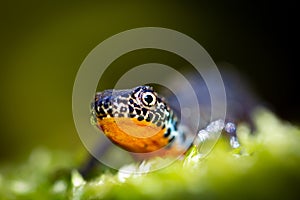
119, 112
137, 119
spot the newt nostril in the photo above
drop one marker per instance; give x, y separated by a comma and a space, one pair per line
106, 104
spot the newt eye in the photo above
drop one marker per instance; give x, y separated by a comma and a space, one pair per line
148, 99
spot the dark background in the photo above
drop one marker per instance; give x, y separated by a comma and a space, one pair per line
44, 43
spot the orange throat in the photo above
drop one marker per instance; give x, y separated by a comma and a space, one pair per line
133, 135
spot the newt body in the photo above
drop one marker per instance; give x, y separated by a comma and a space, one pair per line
141, 121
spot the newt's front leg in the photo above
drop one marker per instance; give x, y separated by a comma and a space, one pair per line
213, 130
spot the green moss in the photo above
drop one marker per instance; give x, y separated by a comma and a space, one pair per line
267, 166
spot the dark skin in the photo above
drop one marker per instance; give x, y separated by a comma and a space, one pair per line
240, 104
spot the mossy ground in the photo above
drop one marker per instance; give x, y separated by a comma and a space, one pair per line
266, 167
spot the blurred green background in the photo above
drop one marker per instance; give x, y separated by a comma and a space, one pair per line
44, 43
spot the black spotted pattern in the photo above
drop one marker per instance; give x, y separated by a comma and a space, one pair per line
128, 103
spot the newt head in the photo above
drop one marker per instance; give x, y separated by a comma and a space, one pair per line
137, 119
